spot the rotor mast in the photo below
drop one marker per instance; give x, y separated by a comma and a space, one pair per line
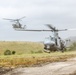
55, 31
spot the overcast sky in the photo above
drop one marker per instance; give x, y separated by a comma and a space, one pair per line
60, 13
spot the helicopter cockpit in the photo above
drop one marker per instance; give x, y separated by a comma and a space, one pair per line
17, 25
49, 42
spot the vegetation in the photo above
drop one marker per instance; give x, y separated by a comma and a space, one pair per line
21, 47
72, 47
34, 59
7, 52
15, 54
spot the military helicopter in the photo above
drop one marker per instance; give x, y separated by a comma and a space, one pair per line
17, 24
54, 43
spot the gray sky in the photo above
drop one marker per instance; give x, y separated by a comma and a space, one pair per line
60, 13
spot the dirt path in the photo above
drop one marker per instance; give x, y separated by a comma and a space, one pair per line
57, 68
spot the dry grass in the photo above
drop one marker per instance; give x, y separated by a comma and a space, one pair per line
34, 59
21, 47
24, 57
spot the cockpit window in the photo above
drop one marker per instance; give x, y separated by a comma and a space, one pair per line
50, 38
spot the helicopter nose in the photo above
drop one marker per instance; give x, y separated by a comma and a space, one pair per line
47, 47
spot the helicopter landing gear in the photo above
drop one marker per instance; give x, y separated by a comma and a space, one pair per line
63, 49
47, 51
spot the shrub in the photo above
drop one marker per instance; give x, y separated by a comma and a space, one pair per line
13, 52
72, 47
7, 52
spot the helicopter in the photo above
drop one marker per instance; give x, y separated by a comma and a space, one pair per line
17, 24
54, 43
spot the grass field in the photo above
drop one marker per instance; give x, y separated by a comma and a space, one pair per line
21, 47
29, 54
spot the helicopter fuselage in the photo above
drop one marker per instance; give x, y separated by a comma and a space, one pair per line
53, 44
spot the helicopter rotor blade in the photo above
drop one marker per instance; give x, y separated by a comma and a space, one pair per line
14, 19
72, 29
36, 30
54, 29
62, 30
67, 29
11, 20
7, 19
51, 27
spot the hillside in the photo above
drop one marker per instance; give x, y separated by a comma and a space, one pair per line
20, 47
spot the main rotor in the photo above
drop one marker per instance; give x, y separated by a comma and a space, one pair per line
14, 20
54, 29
